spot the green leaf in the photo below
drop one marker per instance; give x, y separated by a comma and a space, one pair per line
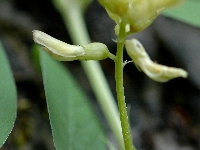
74, 124
8, 98
188, 12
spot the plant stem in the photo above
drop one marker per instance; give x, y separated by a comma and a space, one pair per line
119, 64
74, 21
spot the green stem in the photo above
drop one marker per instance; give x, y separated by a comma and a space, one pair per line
119, 64
75, 24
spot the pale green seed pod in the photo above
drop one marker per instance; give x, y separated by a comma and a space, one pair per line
157, 72
65, 52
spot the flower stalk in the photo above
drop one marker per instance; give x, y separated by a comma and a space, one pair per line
76, 26
131, 16
119, 65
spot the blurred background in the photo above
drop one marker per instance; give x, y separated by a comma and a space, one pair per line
163, 116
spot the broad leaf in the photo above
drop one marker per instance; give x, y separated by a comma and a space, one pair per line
8, 98
188, 12
74, 124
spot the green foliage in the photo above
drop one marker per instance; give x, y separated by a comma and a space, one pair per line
188, 12
74, 124
8, 98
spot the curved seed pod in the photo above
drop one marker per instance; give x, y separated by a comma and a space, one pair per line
65, 52
157, 72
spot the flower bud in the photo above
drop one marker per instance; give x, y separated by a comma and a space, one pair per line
142, 13
157, 72
118, 7
65, 52
138, 14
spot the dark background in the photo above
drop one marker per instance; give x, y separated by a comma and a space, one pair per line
163, 116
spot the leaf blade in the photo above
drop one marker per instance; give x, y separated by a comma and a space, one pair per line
188, 12
73, 123
8, 98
